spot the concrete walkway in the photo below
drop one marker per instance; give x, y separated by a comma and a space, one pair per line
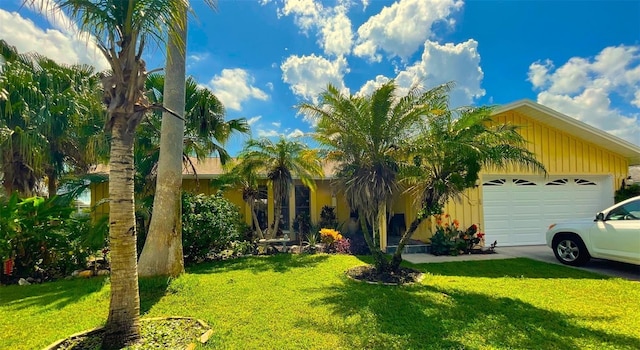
535, 252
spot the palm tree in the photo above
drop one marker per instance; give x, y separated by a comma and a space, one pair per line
280, 162
449, 152
368, 137
50, 112
205, 132
240, 176
121, 30
162, 253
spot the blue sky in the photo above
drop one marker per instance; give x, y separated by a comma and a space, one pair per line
262, 57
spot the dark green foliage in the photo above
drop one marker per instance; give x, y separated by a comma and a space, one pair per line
627, 192
442, 244
209, 224
47, 237
328, 217
302, 225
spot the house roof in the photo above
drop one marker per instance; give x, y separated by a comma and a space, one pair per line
211, 167
574, 127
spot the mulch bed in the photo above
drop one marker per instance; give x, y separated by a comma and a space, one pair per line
369, 274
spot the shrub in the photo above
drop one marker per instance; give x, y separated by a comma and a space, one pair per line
209, 224
343, 246
328, 217
46, 237
627, 192
449, 239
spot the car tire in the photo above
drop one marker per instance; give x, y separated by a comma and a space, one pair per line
570, 250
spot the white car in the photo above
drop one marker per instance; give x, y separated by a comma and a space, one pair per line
613, 235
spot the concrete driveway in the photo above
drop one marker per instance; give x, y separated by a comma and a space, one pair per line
536, 252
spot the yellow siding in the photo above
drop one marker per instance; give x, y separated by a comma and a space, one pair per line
99, 192
562, 154
322, 197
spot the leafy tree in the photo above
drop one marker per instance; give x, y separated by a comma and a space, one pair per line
387, 139
368, 137
280, 162
51, 115
205, 132
121, 30
452, 147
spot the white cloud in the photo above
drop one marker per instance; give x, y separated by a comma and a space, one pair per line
62, 45
333, 26
403, 27
254, 120
308, 76
585, 88
234, 86
267, 133
440, 64
295, 133
270, 86
276, 124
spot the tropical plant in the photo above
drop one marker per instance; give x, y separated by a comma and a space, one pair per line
368, 137
121, 30
46, 237
387, 140
210, 224
280, 162
50, 117
328, 217
449, 151
205, 132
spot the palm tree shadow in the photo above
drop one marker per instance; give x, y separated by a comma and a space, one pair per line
55, 295
258, 264
152, 289
516, 267
428, 317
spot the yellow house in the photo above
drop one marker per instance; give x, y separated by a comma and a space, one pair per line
585, 166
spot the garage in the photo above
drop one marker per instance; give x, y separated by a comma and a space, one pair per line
519, 209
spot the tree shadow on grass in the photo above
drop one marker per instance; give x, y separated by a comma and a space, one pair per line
257, 264
517, 267
152, 289
51, 294
427, 317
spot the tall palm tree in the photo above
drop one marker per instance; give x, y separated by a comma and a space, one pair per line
121, 30
205, 133
281, 162
450, 150
162, 253
368, 137
50, 111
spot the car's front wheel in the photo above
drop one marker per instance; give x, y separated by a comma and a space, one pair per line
570, 250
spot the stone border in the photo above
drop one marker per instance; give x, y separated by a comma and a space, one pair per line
203, 338
419, 279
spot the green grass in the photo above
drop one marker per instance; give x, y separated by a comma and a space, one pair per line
306, 302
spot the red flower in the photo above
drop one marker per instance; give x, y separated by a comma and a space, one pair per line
480, 234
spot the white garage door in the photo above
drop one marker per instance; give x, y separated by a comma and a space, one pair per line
519, 209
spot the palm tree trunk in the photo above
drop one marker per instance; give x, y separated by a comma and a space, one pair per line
397, 256
122, 326
276, 221
162, 253
379, 260
256, 223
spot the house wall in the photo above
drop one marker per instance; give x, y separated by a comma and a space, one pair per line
561, 154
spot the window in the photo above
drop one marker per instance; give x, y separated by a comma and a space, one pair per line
302, 200
629, 211
284, 215
262, 207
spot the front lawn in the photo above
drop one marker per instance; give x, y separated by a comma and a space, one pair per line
306, 302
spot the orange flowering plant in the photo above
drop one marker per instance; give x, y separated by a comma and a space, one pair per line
329, 236
449, 239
